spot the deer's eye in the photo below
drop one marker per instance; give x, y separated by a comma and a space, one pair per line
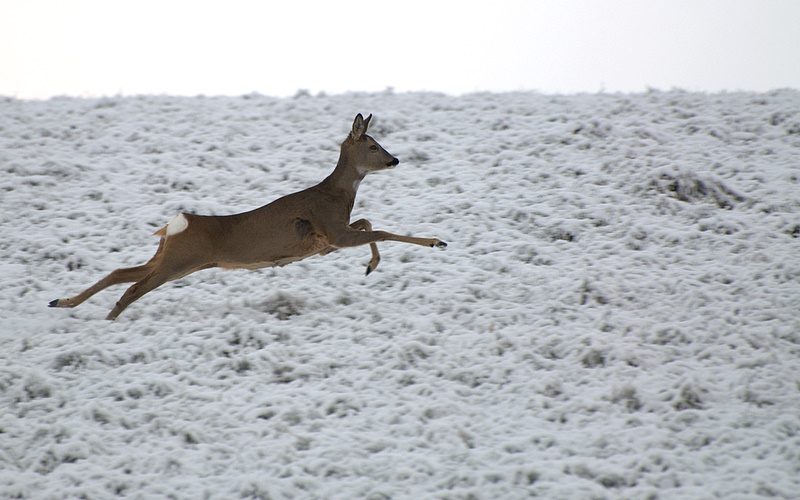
373, 148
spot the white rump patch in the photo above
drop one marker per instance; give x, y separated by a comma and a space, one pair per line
178, 224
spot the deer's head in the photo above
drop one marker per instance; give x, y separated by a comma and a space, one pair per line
363, 152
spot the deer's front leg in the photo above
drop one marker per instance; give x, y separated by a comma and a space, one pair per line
361, 225
364, 225
351, 238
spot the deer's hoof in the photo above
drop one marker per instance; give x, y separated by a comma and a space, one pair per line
439, 244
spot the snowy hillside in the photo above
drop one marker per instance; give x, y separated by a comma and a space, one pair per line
617, 314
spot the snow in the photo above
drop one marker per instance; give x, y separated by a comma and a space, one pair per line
616, 314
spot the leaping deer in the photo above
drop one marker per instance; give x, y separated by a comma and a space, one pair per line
309, 222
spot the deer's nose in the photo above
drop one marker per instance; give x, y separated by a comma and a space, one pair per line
392, 163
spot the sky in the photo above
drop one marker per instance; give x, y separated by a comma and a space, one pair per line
92, 48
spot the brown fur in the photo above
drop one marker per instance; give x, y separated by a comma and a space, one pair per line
309, 222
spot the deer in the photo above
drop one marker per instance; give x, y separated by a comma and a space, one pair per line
314, 221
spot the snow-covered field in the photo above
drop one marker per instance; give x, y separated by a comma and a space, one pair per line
617, 314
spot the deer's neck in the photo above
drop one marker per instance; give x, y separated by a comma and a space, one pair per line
346, 177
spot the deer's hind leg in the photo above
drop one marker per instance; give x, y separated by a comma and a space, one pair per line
171, 266
122, 275
150, 282
117, 276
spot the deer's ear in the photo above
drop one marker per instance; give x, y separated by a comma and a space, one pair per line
359, 126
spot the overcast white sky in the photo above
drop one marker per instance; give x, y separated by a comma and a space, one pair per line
233, 47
